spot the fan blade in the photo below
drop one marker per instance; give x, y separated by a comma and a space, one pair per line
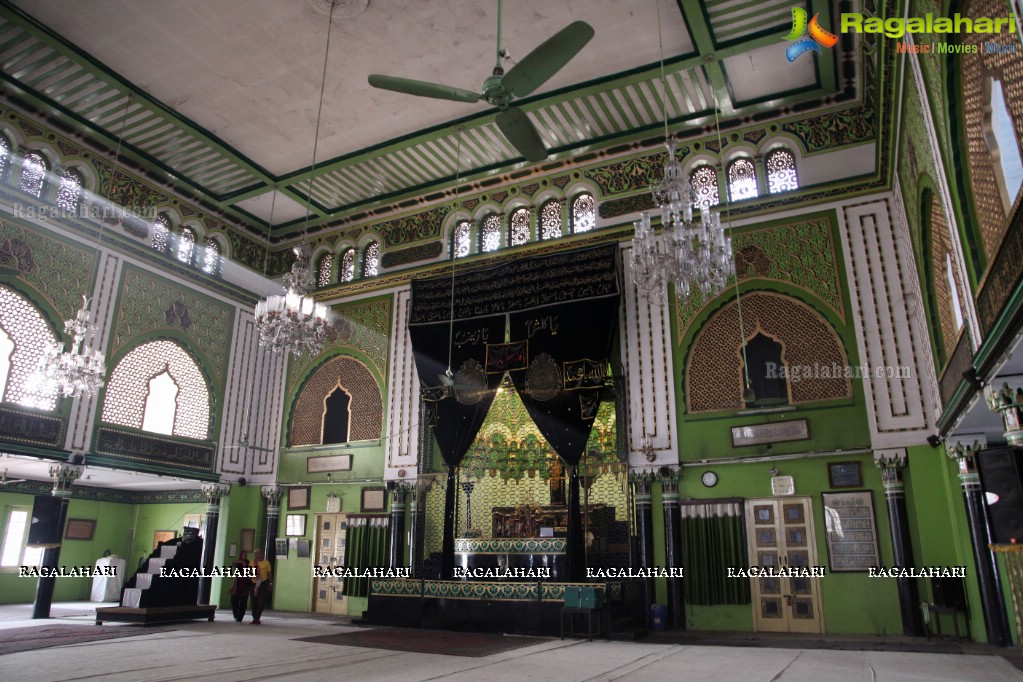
422, 88
538, 66
520, 131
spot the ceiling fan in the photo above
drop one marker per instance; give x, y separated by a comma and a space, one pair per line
4, 480
243, 443
501, 88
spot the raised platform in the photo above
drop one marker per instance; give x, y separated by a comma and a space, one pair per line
154, 614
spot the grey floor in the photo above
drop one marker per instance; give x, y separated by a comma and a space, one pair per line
225, 650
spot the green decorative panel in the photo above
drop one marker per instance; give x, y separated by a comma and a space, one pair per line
61, 271
396, 588
370, 325
128, 191
149, 303
804, 254
501, 591
511, 545
835, 129
915, 161
629, 175
413, 228
932, 65
412, 254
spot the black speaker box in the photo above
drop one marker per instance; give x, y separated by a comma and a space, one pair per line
1001, 479
45, 530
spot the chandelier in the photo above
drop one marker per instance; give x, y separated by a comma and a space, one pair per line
76, 372
692, 255
294, 322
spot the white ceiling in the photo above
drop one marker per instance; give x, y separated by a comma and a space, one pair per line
250, 72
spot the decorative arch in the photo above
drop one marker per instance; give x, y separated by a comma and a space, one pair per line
124, 400
34, 169
741, 178
365, 408
583, 212
780, 168
26, 333
519, 224
550, 219
6, 156
942, 290
714, 375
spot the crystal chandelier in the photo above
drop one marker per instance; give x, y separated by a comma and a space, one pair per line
76, 372
692, 255
294, 322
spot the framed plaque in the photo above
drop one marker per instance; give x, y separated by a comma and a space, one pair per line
281, 548
294, 525
777, 432
328, 463
298, 498
374, 499
851, 531
163, 536
845, 475
80, 529
248, 539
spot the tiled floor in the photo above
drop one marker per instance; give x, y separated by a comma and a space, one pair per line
224, 651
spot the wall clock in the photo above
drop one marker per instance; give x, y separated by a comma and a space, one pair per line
710, 479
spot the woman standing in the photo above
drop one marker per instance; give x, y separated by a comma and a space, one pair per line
263, 585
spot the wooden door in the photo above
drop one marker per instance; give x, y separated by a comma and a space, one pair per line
780, 534
328, 596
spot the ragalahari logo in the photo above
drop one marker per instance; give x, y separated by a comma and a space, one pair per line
818, 36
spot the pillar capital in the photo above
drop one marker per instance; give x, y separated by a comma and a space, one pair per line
669, 477
891, 463
213, 492
272, 494
964, 453
1008, 403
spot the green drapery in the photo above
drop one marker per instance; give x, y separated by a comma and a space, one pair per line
365, 547
713, 540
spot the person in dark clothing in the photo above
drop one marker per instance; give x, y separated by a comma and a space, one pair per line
241, 588
263, 585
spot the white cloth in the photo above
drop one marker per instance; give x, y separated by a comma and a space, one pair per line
108, 587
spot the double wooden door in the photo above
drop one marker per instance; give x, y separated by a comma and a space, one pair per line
780, 534
328, 596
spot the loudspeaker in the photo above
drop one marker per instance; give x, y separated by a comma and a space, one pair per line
45, 530
1001, 479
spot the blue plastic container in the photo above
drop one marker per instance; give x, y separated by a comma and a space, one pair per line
658, 617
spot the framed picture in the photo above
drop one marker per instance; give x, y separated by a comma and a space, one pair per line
294, 525
302, 549
80, 529
326, 463
851, 531
845, 475
374, 499
281, 547
163, 536
298, 498
248, 539
232, 550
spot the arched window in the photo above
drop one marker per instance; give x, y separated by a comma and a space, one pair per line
323, 270
584, 213
518, 227
5, 157
161, 404
767, 374
69, 195
742, 180
186, 245
161, 233
336, 416
490, 233
953, 291
33, 173
132, 394
371, 259
781, 171
24, 337
346, 273
704, 181
461, 239
211, 258
550, 219
1000, 135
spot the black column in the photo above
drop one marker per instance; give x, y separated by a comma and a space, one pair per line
396, 552
890, 463
272, 498
447, 558
644, 556
992, 599
63, 476
575, 545
673, 545
213, 493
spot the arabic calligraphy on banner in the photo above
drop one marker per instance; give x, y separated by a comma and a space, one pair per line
585, 373
517, 286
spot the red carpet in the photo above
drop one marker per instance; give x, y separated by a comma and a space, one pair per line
472, 644
26, 639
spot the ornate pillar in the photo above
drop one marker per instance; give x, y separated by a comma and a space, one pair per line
64, 476
213, 492
272, 498
891, 463
669, 477
992, 599
644, 555
397, 540
1009, 404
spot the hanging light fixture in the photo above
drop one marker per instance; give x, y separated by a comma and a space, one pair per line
692, 255
294, 322
78, 371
